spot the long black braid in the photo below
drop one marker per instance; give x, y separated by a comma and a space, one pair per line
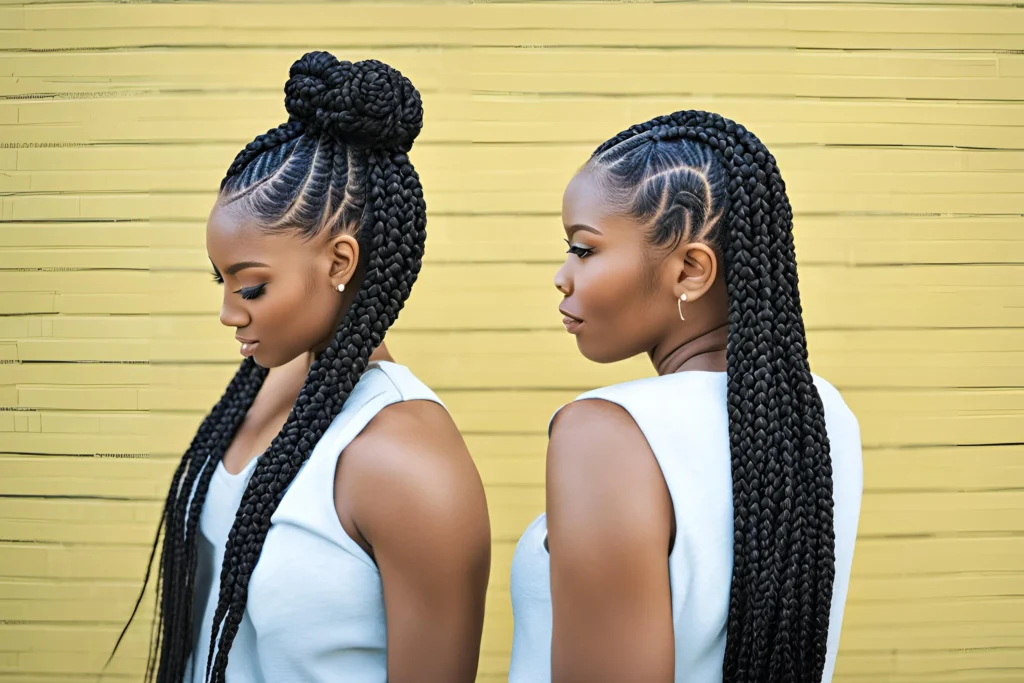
339, 163
694, 175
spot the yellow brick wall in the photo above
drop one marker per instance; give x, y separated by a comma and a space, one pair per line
900, 131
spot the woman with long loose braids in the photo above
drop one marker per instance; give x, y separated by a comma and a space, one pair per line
327, 522
700, 524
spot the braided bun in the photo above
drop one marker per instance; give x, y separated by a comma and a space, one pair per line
365, 104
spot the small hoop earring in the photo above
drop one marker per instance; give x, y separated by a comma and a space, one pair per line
682, 298
341, 287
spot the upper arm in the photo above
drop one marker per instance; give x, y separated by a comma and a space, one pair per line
609, 517
418, 500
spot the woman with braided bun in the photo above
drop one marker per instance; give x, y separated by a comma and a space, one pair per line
327, 523
700, 524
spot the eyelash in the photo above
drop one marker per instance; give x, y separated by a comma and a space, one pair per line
581, 252
250, 293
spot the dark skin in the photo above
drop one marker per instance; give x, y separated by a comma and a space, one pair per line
406, 488
609, 515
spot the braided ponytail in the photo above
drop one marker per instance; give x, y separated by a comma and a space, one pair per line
723, 187
340, 162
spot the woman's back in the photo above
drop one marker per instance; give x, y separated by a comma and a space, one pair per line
684, 418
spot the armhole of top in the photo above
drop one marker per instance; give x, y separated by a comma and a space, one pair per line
595, 396
366, 413
370, 409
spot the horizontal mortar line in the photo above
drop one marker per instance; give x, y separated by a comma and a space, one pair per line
941, 535
47, 496
76, 544
165, 142
145, 47
73, 221
124, 91
53, 580
762, 4
212, 313
553, 46
140, 456
176, 455
971, 573
462, 142
944, 598
896, 390
745, 95
149, 543
520, 389
693, 47
559, 261
932, 490
797, 214
77, 269
469, 92
119, 89
557, 216
792, 145
69, 622
200, 2
902, 5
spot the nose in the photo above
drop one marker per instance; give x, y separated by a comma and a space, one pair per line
563, 282
231, 314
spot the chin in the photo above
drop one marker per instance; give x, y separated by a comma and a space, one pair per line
266, 361
598, 354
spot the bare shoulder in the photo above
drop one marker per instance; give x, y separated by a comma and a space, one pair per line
409, 434
597, 440
602, 475
410, 460
585, 424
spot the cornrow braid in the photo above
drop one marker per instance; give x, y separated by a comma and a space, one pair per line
694, 175
339, 163
272, 139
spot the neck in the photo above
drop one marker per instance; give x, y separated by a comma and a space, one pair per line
289, 378
705, 352
381, 353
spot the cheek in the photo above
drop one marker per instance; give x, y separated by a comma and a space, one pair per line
617, 307
609, 292
297, 317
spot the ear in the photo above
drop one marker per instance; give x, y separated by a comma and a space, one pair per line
343, 252
696, 267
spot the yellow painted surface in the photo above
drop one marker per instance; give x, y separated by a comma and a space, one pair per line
899, 128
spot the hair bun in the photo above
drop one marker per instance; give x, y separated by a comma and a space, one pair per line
365, 103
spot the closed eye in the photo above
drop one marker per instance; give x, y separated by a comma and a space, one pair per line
217, 278
577, 250
249, 293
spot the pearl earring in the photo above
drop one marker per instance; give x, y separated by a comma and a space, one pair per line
341, 287
682, 298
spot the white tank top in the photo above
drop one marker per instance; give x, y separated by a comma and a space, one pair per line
684, 418
315, 610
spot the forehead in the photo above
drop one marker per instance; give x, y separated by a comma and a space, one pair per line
233, 236
586, 202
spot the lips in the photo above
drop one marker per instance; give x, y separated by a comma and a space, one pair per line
571, 322
248, 346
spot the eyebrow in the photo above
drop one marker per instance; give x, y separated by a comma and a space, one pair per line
242, 265
572, 229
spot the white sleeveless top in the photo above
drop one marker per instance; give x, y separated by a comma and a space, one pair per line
684, 419
315, 610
